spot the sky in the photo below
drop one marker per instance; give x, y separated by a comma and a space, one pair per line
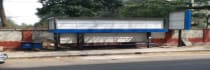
22, 11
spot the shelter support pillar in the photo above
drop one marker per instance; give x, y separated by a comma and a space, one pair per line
57, 40
149, 37
80, 40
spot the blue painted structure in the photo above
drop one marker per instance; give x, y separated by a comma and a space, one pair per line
26, 45
37, 45
107, 30
188, 19
30, 45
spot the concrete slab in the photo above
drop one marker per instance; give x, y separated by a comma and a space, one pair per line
22, 54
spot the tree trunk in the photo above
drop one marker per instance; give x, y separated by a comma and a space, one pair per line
2, 14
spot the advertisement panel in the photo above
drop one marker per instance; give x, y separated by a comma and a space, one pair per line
109, 24
180, 19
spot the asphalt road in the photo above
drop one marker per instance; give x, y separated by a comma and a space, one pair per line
158, 65
197, 62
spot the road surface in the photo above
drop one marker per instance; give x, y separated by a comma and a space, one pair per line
120, 62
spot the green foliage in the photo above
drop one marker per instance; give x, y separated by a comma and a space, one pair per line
79, 8
148, 8
42, 24
201, 0
199, 15
11, 24
108, 8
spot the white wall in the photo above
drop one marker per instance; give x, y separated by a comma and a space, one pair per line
68, 38
40, 36
189, 34
104, 37
158, 35
192, 33
114, 37
10, 35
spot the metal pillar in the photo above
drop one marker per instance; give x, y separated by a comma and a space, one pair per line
57, 40
80, 39
180, 44
148, 39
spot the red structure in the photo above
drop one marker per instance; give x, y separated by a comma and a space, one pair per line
27, 36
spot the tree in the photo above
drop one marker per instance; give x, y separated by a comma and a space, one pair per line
41, 24
202, 1
79, 8
148, 8
11, 23
2, 14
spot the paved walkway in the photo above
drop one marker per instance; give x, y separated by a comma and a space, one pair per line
22, 54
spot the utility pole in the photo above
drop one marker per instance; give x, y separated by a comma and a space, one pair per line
2, 14
180, 42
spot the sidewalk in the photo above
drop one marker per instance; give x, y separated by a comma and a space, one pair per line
22, 54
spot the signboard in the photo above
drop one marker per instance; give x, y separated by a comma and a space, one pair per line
180, 20
106, 25
109, 24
